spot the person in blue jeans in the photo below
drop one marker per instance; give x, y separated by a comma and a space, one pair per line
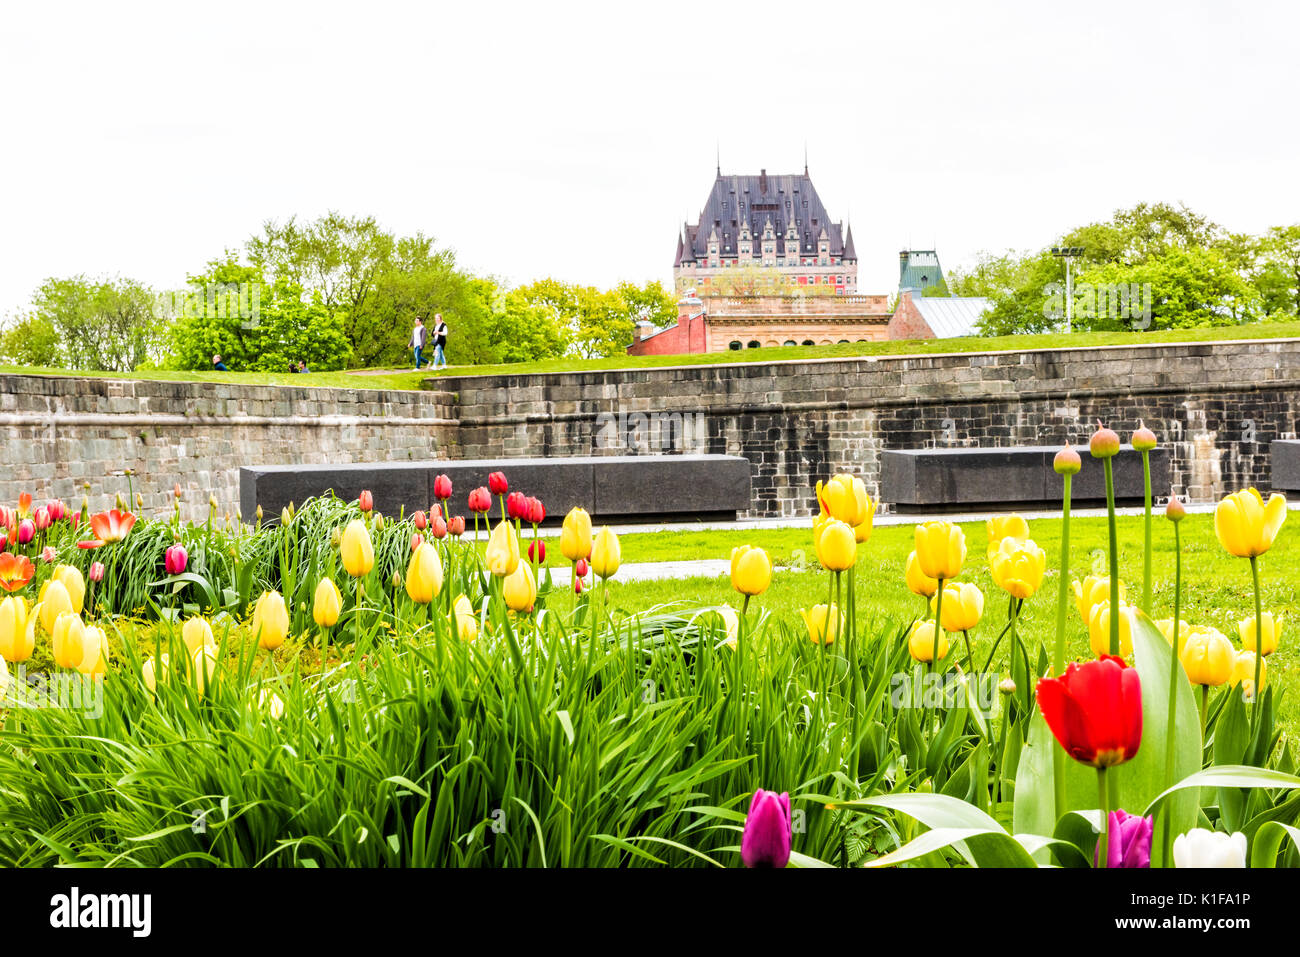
439, 342
419, 336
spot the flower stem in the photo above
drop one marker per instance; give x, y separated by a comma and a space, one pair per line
1103, 846
1114, 556
1170, 737
1146, 541
1259, 646
1058, 654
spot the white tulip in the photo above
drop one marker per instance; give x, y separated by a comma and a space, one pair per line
1202, 848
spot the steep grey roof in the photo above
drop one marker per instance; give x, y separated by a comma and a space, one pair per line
951, 316
755, 200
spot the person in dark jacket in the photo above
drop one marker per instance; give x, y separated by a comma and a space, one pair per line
218, 364
439, 342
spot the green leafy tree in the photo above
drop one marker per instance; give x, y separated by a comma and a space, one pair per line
1279, 276
107, 325
274, 327
1187, 288
31, 340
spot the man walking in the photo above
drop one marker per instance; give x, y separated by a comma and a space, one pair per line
418, 336
439, 342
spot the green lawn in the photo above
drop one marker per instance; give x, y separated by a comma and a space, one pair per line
1216, 586
409, 380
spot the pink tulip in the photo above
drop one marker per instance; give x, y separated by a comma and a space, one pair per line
175, 559
26, 531
48, 554
438, 528
766, 839
56, 509
420, 521
42, 518
416, 540
97, 571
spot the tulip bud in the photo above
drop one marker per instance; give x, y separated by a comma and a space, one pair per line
424, 574
537, 552
42, 518
366, 501
416, 540
1067, 461
175, 560
1143, 440
48, 554
502, 553
581, 567
480, 500
536, 511
1007, 686
285, 517
258, 515
176, 490
516, 505
438, 528
379, 522
442, 487
420, 521
26, 531
270, 620
212, 503
765, 840
327, 604
520, 589
606, 555
97, 571
1175, 511
497, 483
357, 550
456, 525
334, 537
577, 586
1104, 443
139, 500
397, 579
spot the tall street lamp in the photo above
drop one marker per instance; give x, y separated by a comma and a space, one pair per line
1069, 254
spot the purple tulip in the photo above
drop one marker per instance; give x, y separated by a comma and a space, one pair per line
175, 559
766, 839
1130, 840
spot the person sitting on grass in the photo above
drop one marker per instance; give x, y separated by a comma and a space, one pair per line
218, 364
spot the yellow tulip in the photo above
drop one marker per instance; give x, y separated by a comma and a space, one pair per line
862, 530
1272, 632
74, 583
1005, 526
918, 581
1099, 629
356, 549
520, 589
502, 554
836, 546
94, 660
606, 554
54, 602
1243, 673
751, 570
920, 642
153, 671
845, 497
1166, 626
575, 535
4, 679
1094, 589
197, 632
204, 662
69, 634
327, 604
424, 574
14, 644
270, 620
941, 549
1208, 657
963, 606
466, 620
1017, 566
1245, 526
824, 624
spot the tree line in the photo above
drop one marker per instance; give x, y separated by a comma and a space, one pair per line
1183, 270
334, 293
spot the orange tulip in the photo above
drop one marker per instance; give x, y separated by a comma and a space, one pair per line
15, 571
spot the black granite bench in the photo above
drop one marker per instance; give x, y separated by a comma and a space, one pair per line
610, 487
953, 478
1285, 469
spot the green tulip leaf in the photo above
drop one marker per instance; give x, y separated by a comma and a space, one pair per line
1227, 776
1268, 843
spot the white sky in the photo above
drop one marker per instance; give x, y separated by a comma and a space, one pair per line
572, 139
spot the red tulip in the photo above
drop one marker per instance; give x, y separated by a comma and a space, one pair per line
438, 528
456, 525
15, 571
26, 531
516, 505
540, 547
1095, 711
42, 519
581, 568
4, 540
8, 517
442, 487
111, 526
420, 521
56, 508
577, 586
765, 842
75, 519
366, 500
480, 500
536, 511
498, 484
175, 559
97, 571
